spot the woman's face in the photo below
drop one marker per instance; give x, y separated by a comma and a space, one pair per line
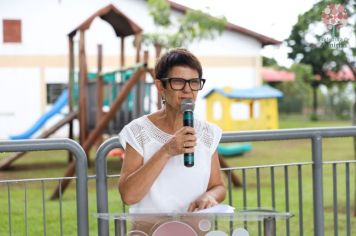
174, 98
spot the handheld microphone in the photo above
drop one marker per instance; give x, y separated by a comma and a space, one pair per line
187, 107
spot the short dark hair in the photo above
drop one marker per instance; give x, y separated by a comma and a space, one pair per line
176, 57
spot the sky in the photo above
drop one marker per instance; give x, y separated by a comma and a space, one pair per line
273, 18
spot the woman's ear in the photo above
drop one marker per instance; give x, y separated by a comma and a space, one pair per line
159, 85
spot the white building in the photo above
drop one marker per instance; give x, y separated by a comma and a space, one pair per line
34, 53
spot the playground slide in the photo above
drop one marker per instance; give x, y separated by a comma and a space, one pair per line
61, 102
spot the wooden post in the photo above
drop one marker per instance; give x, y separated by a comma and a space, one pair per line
99, 90
140, 96
158, 49
122, 52
83, 85
145, 57
145, 61
138, 38
71, 74
235, 180
71, 91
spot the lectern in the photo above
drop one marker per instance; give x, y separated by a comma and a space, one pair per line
193, 224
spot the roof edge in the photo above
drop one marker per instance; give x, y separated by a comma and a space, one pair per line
265, 40
86, 24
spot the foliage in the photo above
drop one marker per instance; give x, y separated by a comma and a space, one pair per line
310, 45
269, 62
313, 43
338, 102
193, 25
296, 93
160, 11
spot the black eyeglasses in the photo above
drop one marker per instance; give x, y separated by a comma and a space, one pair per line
177, 84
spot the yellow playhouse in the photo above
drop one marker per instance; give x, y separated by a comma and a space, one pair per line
243, 109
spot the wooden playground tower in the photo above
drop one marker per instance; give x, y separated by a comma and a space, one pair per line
123, 27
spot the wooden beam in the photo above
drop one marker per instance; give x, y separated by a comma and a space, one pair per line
99, 89
138, 39
122, 52
83, 85
158, 50
235, 180
71, 91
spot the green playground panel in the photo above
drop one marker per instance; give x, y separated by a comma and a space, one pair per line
230, 150
110, 78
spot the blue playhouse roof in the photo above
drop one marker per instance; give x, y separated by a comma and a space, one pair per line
252, 93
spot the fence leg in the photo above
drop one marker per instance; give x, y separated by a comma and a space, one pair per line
269, 226
120, 227
318, 186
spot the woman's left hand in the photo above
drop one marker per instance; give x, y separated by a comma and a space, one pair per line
203, 202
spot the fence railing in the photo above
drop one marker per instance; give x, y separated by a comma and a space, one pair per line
81, 174
255, 180
315, 135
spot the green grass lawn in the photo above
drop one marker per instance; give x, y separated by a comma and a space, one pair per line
53, 164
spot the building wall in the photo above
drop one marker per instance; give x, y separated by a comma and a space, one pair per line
232, 59
20, 93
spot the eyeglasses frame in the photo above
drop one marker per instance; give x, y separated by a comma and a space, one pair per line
186, 81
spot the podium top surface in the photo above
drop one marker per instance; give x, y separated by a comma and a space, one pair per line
239, 215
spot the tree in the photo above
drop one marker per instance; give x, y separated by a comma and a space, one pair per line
325, 49
296, 97
270, 62
295, 92
194, 25
325, 46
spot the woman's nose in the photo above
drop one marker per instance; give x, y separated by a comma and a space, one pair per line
186, 87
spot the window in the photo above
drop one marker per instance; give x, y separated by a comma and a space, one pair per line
12, 31
54, 91
240, 111
217, 111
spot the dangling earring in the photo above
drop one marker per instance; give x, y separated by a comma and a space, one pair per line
163, 100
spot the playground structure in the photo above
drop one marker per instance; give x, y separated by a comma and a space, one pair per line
131, 85
123, 92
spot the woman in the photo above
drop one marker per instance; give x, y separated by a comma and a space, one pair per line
153, 176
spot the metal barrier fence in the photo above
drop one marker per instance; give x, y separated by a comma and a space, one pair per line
81, 179
314, 135
340, 174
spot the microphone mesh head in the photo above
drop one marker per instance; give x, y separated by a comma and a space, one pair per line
187, 105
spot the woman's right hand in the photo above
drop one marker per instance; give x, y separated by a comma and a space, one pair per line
183, 141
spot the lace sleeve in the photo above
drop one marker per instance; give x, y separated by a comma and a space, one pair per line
132, 134
217, 132
211, 135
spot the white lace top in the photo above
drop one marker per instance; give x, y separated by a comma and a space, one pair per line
176, 186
